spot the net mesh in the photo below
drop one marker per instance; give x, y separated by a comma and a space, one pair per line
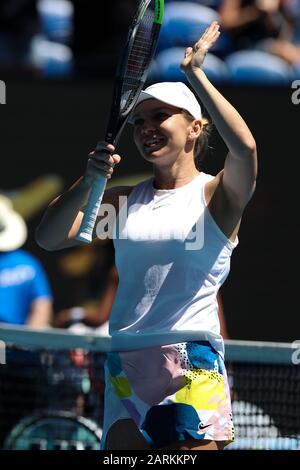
265, 405
46, 383
51, 397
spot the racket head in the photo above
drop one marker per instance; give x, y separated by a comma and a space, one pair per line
54, 430
134, 64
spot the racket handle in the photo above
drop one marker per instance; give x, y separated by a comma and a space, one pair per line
85, 233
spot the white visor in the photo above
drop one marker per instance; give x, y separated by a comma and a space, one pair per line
173, 93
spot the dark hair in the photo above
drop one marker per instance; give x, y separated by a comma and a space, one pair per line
202, 143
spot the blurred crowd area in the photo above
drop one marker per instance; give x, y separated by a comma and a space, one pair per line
260, 41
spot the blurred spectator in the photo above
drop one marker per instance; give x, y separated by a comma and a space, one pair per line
261, 24
75, 382
25, 297
35, 36
18, 24
56, 20
97, 263
292, 10
51, 59
50, 51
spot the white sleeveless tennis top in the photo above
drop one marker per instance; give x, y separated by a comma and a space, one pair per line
171, 258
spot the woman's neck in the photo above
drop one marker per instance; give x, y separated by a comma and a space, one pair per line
166, 179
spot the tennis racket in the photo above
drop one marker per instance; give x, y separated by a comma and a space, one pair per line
54, 430
131, 76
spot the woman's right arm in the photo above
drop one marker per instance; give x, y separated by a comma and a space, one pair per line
62, 219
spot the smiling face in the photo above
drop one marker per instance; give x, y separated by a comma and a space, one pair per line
161, 131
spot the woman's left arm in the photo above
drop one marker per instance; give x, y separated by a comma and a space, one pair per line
240, 169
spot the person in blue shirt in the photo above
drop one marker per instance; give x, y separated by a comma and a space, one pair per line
25, 294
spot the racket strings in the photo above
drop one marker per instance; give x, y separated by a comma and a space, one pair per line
139, 58
142, 47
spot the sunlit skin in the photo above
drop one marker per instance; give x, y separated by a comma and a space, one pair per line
172, 153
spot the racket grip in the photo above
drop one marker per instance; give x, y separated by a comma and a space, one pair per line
85, 233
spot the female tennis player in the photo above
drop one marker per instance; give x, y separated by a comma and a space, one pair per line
166, 384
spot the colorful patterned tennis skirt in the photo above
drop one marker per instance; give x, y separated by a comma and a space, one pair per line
173, 393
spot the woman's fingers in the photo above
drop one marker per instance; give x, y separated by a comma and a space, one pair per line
101, 161
210, 35
195, 56
188, 51
116, 158
102, 156
105, 146
105, 161
102, 167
